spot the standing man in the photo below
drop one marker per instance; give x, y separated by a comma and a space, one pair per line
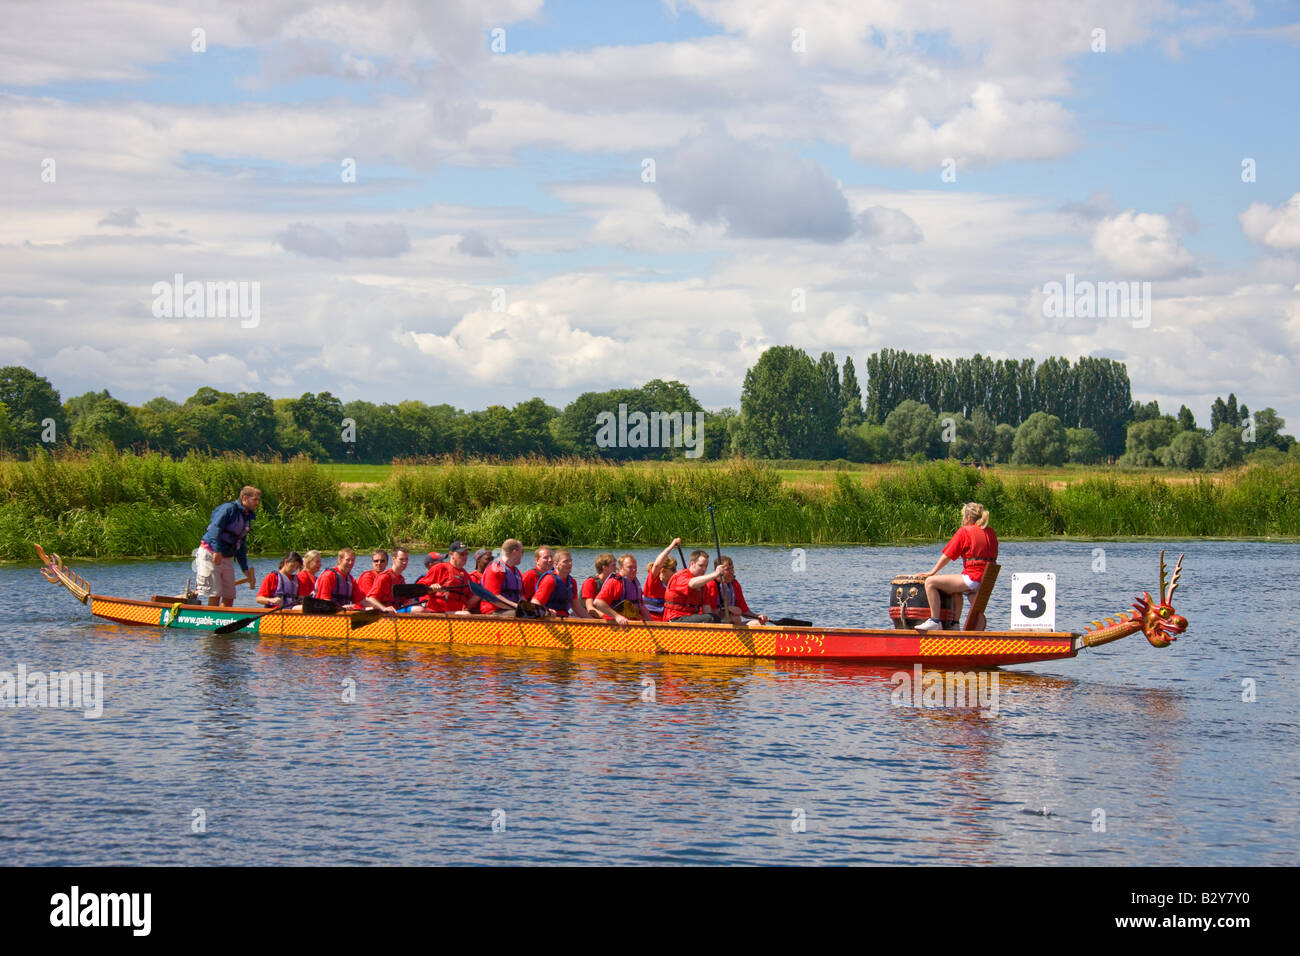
543, 561
224, 544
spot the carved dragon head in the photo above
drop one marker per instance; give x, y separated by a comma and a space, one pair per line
1160, 623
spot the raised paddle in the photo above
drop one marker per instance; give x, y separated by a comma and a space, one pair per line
716, 545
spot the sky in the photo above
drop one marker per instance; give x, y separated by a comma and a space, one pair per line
480, 202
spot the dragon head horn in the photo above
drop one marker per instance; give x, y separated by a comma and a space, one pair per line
1167, 594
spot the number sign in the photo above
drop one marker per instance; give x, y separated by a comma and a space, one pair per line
1033, 602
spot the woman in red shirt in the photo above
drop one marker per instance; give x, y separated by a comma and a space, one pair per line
307, 576
977, 545
280, 588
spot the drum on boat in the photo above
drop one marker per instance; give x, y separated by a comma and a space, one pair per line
908, 606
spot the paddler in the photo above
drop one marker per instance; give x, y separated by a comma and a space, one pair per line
280, 587
337, 584
397, 575
620, 593
684, 598
307, 576
657, 576
366, 579
482, 558
449, 582
378, 592
502, 577
556, 589
591, 587
977, 545
543, 561
223, 545
726, 595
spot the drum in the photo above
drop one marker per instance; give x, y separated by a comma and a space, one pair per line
908, 606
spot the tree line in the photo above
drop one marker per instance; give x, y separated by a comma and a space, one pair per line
791, 407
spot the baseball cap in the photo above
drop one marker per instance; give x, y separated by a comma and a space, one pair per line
457, 546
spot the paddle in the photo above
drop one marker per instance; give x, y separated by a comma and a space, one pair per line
780, 622
522, 608
716, 545
243, 622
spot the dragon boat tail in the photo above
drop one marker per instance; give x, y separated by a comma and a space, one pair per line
1154, 618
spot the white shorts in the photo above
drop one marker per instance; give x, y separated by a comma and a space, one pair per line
971, 586
214, 580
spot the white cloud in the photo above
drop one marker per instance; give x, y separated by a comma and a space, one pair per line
1275, 228
1142, 245
756, 191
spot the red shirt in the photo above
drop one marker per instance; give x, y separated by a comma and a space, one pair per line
590, 588
976, 547
325, 587
448, 577
306, 583
530, 582
680, 599
546, 588
381, 587
618, 589
654, 588
365, 581
271, 583
737, 596
497, 578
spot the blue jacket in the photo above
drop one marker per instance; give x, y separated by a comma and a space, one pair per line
228, 531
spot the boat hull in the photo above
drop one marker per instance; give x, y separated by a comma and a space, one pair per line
951, 649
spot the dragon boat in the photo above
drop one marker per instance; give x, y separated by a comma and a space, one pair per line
956, 648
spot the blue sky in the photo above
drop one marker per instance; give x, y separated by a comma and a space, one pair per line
777, 169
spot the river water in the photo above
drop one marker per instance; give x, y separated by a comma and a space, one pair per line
242, 750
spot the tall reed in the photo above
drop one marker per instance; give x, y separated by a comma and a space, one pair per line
119, 505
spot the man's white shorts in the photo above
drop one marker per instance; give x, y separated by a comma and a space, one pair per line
214, 580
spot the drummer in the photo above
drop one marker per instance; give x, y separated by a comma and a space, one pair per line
977, 546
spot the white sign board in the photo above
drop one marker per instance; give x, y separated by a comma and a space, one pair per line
1033, 602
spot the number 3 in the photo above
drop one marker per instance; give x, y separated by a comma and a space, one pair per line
1039, 607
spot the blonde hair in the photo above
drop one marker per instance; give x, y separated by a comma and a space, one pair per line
975, 513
